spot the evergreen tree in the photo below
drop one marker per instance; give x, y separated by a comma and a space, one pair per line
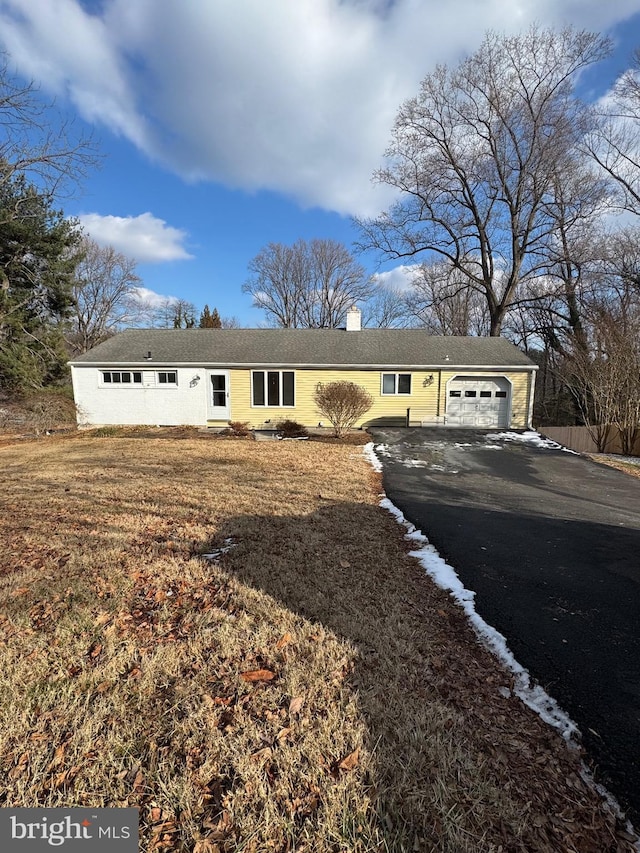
37, 261
209, 320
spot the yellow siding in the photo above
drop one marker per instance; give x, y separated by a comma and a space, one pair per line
388, 410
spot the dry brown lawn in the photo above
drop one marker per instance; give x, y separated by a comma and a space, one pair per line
619, 462
307, 690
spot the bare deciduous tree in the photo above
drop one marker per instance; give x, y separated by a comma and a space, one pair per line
35, 142
605, 377
476, 155
444, 302
387, 308
614, 141
104, 295
174, 313
307, 285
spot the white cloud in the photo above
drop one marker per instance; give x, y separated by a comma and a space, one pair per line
150, 300
295, 96
144, 238
398, 278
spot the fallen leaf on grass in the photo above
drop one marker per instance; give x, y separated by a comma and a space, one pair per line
345, 564
284, 640
20, 766
257, 675
95, 650
262, 754
22, 590
58, 757
283, 733
206, 846
351, 761
295, 706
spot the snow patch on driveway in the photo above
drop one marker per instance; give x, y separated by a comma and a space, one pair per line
529, 437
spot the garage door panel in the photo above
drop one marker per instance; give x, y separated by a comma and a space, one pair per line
478, 401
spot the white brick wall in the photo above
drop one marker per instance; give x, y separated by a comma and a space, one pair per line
148, 403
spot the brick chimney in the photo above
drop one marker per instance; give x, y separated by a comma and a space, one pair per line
354, 319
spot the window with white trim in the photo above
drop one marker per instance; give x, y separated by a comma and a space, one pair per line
167, 377
121, 377
272, 388
396, 383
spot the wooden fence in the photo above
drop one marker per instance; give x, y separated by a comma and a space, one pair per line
578, 438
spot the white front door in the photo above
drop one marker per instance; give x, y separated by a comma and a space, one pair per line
218, 395
478, 401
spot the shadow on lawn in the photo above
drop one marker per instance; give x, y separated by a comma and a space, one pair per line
448, 746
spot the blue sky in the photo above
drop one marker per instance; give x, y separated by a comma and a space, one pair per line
229, 124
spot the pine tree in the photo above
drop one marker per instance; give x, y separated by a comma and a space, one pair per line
209, 320
38, 254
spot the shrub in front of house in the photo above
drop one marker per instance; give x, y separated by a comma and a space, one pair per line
291, 429
342, 403
237, 428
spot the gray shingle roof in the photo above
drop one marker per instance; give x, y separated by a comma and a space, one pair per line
297, 347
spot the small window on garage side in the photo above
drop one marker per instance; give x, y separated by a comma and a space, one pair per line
469, 392
501, 393
485, 393
396, 383
167, 377
455, 393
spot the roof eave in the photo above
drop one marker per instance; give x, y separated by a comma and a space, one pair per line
227, 365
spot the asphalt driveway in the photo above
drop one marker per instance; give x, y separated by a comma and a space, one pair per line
550, 543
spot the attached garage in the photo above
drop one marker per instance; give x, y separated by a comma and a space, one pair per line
478, 401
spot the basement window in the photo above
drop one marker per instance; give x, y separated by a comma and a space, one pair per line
272, 388
396, 383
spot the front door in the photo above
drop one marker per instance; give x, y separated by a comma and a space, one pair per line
219, 409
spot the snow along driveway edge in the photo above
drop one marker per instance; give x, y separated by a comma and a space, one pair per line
446, 577
531, 694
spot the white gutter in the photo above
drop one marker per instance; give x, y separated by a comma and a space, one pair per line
321, 366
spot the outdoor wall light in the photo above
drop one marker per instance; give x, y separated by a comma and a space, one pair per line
194, 381
428, 380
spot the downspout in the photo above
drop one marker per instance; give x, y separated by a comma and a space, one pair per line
532, 387
438, 400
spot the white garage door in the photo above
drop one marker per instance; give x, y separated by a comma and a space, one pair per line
478, 401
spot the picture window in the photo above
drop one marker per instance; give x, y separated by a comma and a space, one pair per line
274, 388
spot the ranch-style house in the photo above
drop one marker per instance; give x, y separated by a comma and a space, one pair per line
209, 377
